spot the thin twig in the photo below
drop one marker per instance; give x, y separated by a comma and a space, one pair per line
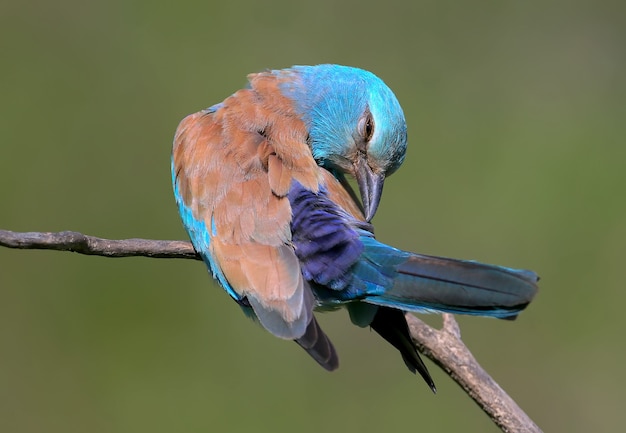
444, 347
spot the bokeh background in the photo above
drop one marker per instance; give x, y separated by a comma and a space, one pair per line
517, 125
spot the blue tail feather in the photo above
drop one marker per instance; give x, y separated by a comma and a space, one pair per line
390, 277
421, 283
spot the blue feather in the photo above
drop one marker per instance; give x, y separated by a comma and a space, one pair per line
347, 264
424, 283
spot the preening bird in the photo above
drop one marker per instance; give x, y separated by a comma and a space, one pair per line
260, 181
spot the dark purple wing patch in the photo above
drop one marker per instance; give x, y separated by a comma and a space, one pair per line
324, 238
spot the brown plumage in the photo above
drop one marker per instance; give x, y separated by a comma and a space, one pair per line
234, 166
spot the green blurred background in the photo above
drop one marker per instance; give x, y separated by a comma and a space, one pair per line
517, 120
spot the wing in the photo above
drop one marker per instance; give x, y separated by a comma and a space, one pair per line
232, 167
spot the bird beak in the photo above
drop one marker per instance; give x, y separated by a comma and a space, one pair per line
370, 186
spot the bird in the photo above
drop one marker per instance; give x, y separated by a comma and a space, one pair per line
261, 182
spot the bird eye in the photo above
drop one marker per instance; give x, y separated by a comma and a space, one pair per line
366, 126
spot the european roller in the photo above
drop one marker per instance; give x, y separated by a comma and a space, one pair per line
260, 181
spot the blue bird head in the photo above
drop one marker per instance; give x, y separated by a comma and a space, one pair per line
355, 123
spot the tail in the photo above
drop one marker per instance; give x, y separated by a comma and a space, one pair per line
393, 281
420, 283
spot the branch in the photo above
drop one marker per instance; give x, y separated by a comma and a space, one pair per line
92, 246
444, 347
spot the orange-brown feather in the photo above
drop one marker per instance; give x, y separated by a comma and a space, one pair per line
234, 167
